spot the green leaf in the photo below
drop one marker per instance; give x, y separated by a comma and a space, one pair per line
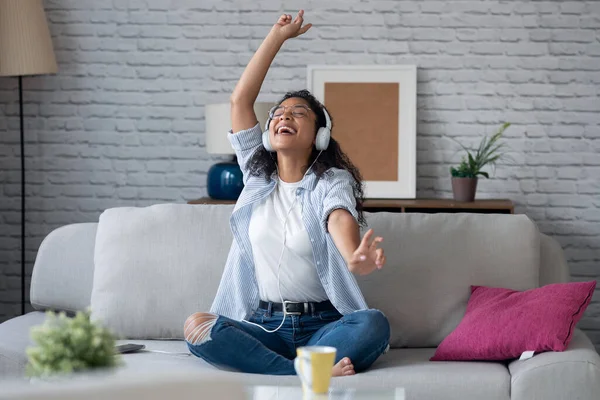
481, 147
492, 160
473, 167
471, 161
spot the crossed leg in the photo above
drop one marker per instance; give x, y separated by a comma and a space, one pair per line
236, 345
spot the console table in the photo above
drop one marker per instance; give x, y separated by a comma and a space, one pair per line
484, 206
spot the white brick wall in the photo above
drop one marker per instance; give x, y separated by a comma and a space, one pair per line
122, 122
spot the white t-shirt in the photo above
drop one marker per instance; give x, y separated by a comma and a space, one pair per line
298, 279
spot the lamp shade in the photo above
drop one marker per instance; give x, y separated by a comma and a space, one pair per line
218, 123
25, 43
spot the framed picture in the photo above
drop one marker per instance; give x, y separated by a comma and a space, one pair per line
373, 108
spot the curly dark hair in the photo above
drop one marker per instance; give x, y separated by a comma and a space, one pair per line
264, 164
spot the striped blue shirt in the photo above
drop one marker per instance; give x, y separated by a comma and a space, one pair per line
238, 295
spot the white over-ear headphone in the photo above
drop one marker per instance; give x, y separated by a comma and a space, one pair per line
321, 142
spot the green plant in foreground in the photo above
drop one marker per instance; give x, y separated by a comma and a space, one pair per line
66, 345
488, 152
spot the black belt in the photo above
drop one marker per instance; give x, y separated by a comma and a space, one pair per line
295, 308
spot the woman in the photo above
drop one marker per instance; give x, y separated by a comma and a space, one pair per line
289, 278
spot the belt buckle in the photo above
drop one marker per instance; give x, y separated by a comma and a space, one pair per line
286, 302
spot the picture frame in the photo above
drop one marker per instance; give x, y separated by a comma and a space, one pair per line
373, 109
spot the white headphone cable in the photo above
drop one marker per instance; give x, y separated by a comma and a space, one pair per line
281, 256
278, 274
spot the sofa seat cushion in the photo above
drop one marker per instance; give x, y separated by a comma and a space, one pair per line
423, 379
407, 368
14, 339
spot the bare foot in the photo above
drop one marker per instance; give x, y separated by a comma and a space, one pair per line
343, 368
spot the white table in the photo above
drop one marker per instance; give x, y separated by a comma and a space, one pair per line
162, 385
295, 393
174, 385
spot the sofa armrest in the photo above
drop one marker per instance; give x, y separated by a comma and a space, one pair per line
64, 269
572, 374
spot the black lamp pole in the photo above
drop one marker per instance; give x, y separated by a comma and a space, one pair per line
22, 195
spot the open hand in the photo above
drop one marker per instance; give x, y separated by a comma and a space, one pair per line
287, 29
367, 257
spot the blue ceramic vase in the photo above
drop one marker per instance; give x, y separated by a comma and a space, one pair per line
224, 181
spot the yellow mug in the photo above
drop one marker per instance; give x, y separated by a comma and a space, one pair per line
313, 364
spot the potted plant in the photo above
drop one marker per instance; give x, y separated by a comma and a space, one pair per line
66, 345
464, 176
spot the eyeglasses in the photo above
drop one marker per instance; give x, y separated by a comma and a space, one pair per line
298, 111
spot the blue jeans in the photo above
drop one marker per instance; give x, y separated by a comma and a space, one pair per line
239, 346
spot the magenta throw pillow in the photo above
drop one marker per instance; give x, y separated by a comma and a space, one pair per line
501, 324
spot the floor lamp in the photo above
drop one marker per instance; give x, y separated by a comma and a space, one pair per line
25, 49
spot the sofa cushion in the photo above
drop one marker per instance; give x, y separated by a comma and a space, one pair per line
501, 324
155, 266
432, 261
14, 339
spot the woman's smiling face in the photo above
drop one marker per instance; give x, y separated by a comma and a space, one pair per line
292, 125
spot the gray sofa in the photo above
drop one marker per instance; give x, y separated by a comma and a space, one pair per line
432, 259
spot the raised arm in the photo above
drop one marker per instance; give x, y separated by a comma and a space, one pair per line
247, 89
340, 220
